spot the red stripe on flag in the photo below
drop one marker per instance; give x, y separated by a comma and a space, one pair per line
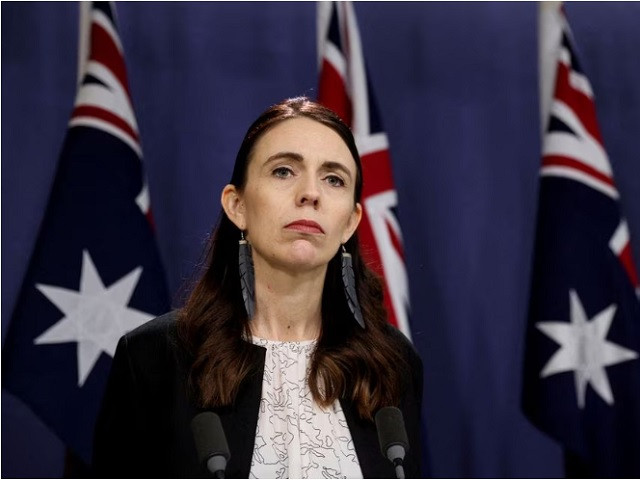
627, 262
105, 51
332, 92
582, 105
105, 115
377, 173
378, 178
372, 258
151, 220
395, 240
561, 161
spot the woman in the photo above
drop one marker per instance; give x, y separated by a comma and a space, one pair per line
284, 335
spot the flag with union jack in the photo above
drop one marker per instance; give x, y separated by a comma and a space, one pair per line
344, 87
95, 272
582, 371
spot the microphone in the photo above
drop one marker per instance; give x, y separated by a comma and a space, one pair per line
211, 442
392, 437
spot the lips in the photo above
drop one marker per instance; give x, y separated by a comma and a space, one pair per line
305, 226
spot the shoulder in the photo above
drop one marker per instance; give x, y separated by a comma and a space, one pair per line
153, 344
160, 328
404, 345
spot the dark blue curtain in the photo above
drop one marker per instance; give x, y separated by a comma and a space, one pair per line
458, 93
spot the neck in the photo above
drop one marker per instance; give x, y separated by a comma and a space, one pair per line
288, 305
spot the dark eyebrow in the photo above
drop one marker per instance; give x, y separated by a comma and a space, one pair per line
291, 155
336, 166
296, 157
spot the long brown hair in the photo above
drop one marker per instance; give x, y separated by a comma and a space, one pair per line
348, 362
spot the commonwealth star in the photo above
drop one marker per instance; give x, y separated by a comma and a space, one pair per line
585, 350
95, 316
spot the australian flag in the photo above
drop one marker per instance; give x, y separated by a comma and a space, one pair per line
582, 366
344, 87
95, 272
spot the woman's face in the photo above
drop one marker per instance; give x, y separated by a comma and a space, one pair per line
297, 205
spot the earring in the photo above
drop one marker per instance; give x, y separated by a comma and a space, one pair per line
245, 267
349, 281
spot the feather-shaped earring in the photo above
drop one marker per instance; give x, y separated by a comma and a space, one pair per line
349, 281
247, 281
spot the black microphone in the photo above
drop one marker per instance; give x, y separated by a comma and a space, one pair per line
211, 443
392, 436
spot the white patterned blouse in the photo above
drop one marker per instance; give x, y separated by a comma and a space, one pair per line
295, 437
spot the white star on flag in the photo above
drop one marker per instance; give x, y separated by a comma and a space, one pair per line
585, 350
95, 317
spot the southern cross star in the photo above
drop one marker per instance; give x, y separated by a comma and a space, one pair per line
585, 349
95, 316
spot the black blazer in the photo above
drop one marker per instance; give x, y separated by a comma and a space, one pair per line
143, 429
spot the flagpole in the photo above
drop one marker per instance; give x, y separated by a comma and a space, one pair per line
549, 34
83, 37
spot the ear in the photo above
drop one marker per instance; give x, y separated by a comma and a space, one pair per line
354, 221
233, 206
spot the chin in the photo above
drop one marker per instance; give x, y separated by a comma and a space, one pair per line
305, 262
307, 257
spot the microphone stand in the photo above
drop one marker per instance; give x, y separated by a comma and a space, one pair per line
216, 465
395, 453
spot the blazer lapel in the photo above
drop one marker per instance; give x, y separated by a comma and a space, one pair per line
365, 439
241, 420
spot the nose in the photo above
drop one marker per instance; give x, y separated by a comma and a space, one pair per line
309, 193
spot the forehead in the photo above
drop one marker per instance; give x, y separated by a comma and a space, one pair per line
311, 139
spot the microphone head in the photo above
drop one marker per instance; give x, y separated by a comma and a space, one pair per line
209, 436
391, 431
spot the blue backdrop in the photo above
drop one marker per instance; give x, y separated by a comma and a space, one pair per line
458, 93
